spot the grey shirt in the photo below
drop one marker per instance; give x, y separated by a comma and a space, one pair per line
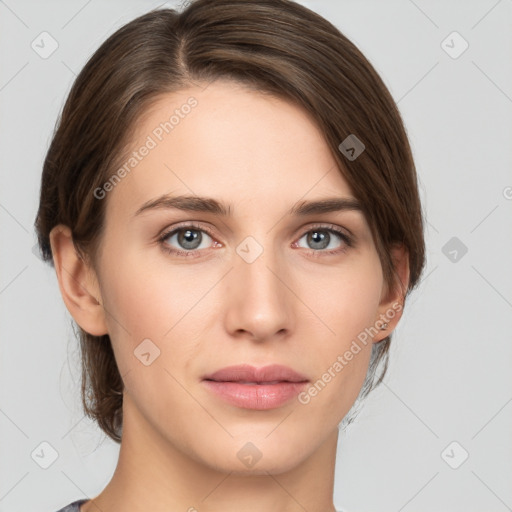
73, 507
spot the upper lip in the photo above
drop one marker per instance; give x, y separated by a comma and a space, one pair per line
248, 373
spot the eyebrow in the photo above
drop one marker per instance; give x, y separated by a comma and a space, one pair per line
210, 205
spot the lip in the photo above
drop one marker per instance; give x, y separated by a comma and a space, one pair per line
263, 388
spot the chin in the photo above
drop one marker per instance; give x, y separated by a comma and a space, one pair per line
257, 457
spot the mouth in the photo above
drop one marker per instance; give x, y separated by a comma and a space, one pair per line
244, 373
250, 383
262, 388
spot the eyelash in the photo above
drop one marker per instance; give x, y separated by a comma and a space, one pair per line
330, 228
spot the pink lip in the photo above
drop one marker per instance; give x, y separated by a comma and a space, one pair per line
275, 385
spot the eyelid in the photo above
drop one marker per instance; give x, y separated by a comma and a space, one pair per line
185, 224
328, 227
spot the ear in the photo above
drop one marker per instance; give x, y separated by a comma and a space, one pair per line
392, 299
77, 282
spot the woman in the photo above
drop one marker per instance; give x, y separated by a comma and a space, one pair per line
231, 207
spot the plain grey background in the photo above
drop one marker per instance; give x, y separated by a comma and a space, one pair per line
436, 435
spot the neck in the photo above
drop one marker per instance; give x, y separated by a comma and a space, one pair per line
153, 474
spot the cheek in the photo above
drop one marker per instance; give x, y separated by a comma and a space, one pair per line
155, 311
348, 308
346, 300
146, 299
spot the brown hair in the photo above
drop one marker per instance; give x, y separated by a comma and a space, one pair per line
275, 46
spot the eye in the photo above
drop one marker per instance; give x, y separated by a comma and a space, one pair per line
321, 237
190, 238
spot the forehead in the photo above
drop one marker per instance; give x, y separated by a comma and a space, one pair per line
230, 142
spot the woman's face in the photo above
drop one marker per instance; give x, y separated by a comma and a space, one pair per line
258, 286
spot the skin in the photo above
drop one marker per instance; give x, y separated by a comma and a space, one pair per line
179, 449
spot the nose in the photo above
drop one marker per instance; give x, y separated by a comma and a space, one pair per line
259, 301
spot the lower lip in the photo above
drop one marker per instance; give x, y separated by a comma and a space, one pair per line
256, 396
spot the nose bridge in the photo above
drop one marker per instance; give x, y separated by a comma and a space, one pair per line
256, 266
260, 301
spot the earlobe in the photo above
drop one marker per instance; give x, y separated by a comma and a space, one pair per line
77, 282
392, 300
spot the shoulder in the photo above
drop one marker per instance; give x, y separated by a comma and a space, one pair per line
74, 506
